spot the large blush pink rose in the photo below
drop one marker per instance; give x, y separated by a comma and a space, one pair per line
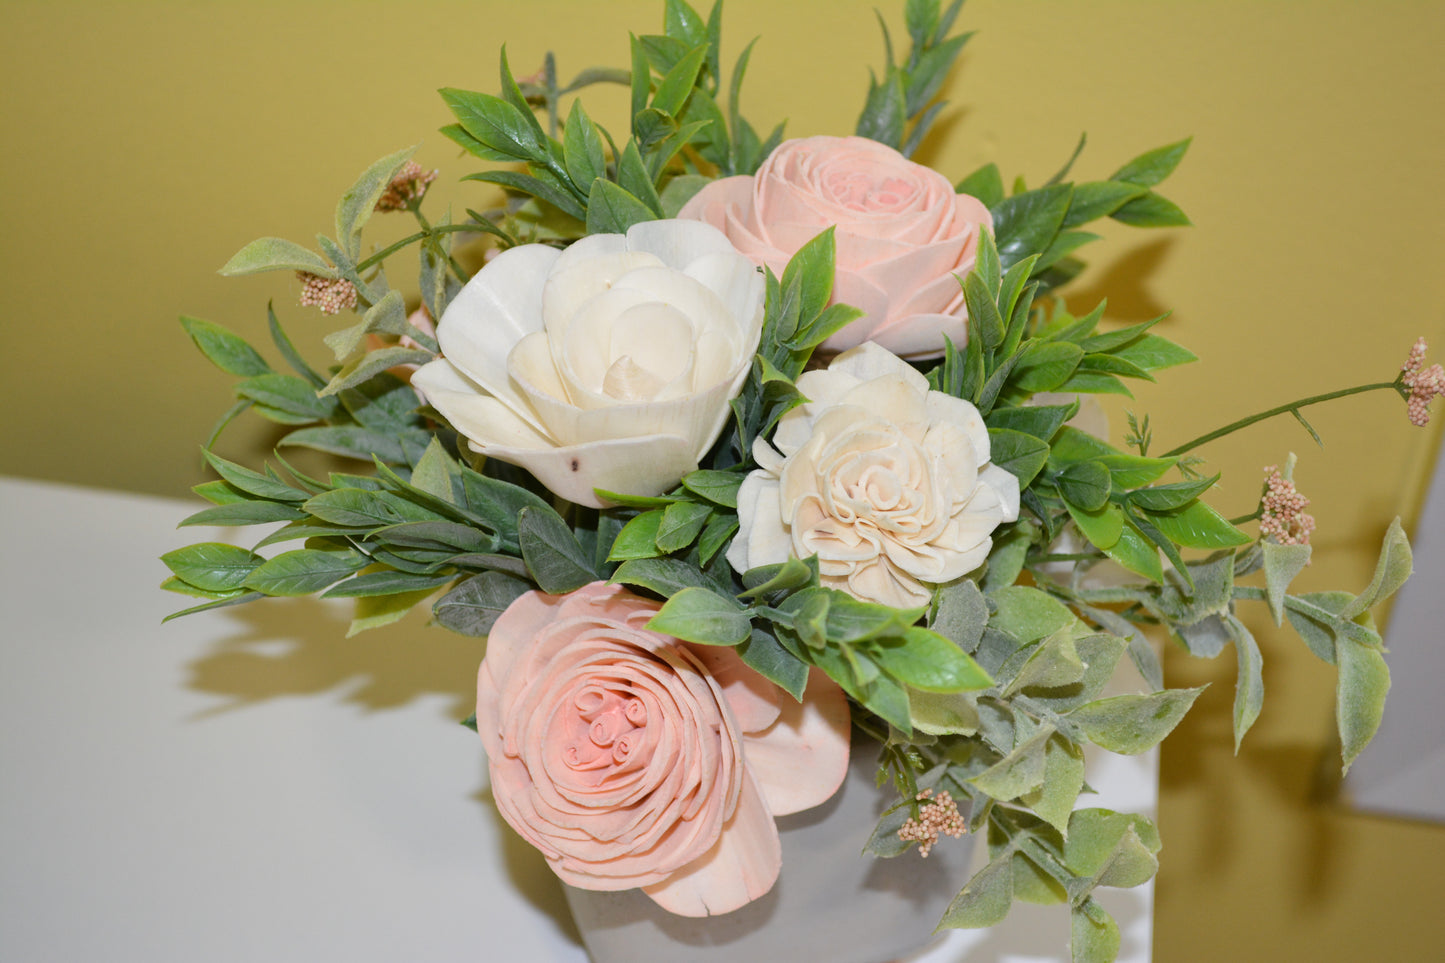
632, 759
903, 235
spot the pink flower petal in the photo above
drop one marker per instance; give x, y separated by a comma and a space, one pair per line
801, 760
742, 866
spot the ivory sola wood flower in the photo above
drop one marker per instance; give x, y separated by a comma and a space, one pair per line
887, 482
608, 365
632, 759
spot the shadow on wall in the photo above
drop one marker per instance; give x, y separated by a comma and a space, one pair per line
1125, 282
294, 647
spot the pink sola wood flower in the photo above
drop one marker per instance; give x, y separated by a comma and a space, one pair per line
631, 759
1424, 384
1282, 516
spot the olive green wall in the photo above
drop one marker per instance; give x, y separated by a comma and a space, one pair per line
146, 141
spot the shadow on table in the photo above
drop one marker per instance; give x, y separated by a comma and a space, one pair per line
291, 647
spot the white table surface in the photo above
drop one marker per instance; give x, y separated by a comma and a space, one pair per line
248, 784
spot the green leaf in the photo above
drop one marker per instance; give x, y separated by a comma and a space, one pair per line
1095, 199
719, 487
1044, 365
224, 348
1028, 614
1249, 686
985, 900
1021, 455
1198, 526
436, 536
1360, 691
1153, 352
1136, 552
554, 558
1063, 780
961, 614
676, 85
850, 620
926, 660
541, 184
582, 148
1027, 223
1151, 210
1052, 663
634, 177
612, 210
355, 441
357, 204
359, 507
386, 582
715, 535
1393, 568
884, 112
1085, 484
1281, 564
1315, 616
244, 513
1093, 934
276, 254
1102, 528
1166, 498
212, 566
216, 604
1151, 167
681, 523
304, 571
1041, 421
1021, 771
1131, 471
472, 608
1131, 724
371, 364
287, 394
1111, 849
254, 483
499, 127
763, 653
703, 616
665, 576
679, 191
779, 577
986, 184
638, 538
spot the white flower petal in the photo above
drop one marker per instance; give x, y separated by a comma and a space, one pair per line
678, 243
646, 465
472, 412
496, 309
1006, 484
736, 281
869, 361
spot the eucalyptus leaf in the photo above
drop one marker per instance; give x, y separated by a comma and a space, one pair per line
985, 900
357, 204
1363, 682
1394, 566
276, 254
960, 614
1249, 686
1281, 564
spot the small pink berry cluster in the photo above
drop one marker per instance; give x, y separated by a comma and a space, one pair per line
1283, 515
941, 815
1424, 384
408, 185
328, 294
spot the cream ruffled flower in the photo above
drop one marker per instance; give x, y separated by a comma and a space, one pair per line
886, 481
608, 365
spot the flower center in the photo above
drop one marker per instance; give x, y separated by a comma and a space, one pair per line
860, 191
604, 729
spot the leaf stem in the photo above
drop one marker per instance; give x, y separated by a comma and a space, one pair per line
388, 251
414, 205
1292, 407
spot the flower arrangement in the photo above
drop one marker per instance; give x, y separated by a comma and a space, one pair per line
735, 445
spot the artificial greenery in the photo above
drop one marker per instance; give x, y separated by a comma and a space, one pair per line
994, 689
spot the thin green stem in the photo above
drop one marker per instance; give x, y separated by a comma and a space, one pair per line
1071, 557
1246, 518
431, 234
1293, 406
388, 251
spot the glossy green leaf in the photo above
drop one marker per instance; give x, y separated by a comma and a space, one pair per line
1085, 484
924, 659
612, 210
986, 184
763, 653
1151, 210
304, 571
1151, 167
1198, 526
212, 566
638, 538
681, 523
665, 576
1019, 454
1045, 365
